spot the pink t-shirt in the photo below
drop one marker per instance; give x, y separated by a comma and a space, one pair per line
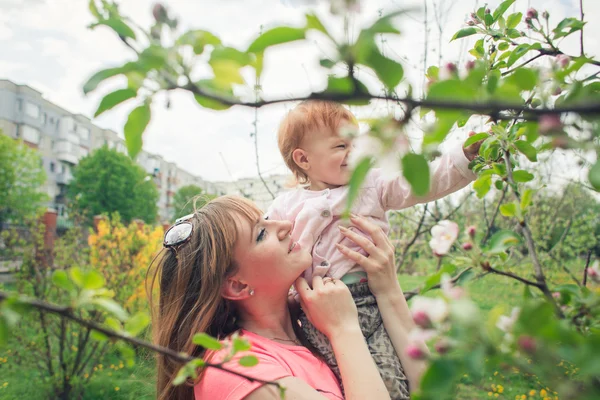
275, 361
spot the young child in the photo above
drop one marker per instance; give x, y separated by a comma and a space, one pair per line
314, 151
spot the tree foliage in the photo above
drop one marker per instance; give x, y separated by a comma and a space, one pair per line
183, 201
107, 181
22, 177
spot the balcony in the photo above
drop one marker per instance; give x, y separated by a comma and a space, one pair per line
64, 178
66, 151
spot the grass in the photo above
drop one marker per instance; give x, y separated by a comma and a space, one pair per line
137, 382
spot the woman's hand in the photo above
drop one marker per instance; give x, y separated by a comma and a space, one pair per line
379, 265
328, 305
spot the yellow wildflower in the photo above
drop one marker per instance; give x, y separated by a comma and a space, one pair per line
532, 393
543, 393
117, 389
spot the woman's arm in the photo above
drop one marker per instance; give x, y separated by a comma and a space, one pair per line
383, 282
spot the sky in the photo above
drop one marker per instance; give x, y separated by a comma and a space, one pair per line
46, 44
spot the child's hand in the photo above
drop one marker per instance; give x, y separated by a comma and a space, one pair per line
473, 150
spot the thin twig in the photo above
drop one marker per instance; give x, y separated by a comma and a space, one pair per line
491, 223
514, 276
523, 64
66, 313
582, 54
585, 270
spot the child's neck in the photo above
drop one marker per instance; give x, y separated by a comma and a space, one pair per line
317, 186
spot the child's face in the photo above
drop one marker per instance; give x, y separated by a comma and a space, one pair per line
327, 154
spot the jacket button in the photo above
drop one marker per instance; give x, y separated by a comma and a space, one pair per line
325, 263
326, 214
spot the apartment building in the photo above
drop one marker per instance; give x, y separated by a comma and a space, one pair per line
63, 138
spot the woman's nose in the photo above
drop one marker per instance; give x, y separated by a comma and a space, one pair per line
284, 229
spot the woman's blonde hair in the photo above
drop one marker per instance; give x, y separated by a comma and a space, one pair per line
189, 281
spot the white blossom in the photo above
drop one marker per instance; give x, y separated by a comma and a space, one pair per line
505, 323
435, 308
443, 236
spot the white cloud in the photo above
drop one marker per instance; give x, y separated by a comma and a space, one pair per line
56, 53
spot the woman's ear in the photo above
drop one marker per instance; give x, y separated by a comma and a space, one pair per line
234, 289
300, 157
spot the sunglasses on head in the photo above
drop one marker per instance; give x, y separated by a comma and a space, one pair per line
180, 233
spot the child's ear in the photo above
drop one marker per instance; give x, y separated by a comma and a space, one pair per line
301, 159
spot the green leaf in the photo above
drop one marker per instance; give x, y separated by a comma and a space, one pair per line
206, 341
358, 176
451, 89
230, 54
61, 279
77, 276
416, 171
241, 344
526, 198
98, 336
527, 149
388, 71
137, 323
134, 128
464, 33
93, 9
475, 138
513, 20
439, 377
508, 210
100, 76
120, 27
226, 72
339, 85
522, 176
92, 280
503, 46
275, 36
501, 9
327, 63
313, 22
594, 175
114, 98
572, 24
214, 88
436, 278
248, 361
517, 53
502, 240
524, 78
111, 307
198, 39
482, 185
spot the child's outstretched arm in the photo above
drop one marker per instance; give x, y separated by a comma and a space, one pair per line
449, 174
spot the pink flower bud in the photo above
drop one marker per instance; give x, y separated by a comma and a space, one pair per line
415, 352
467, 246
532, 13
471, 230
549, 123
470, 65
594, 273
529, 22
556, 295
563, 60
451, 67
557, 91
442, 346
471, 23
488, 11
527, 344
422, 319
159, 12
475, 16
545, 15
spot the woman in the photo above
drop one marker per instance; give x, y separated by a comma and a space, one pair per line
229, 270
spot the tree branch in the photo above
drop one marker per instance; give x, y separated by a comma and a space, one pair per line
66, 313
581, 53
514, 276
587, 265
523, 64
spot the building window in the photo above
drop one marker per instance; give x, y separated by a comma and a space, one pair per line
51, 166
83, 132
32, 110
30, 134
19, 104
44, 118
